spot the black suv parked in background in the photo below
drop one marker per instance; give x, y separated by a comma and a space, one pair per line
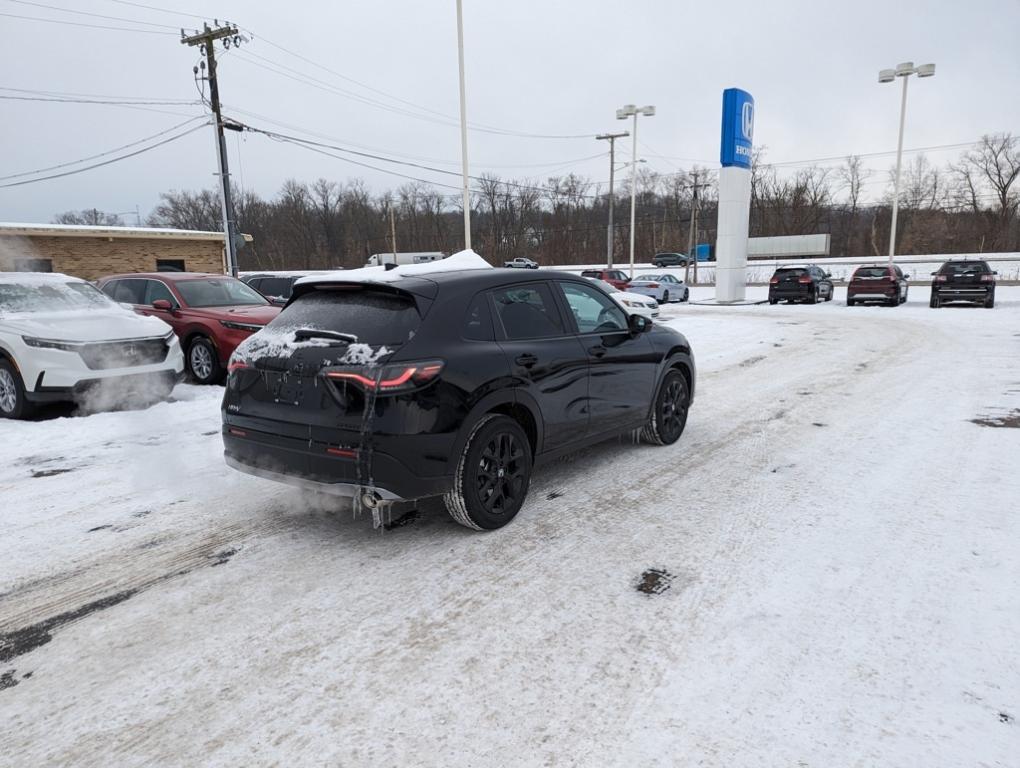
963, 281
448, 383
800, 282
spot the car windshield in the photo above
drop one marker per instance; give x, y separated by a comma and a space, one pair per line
872, 272
964, 268
51, 296
219, 292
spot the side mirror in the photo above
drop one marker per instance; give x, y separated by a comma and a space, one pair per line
638, 324
906, 277
995, 273
828, 274
934, 273
163, 304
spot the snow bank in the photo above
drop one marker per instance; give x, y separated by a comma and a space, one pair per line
458, 262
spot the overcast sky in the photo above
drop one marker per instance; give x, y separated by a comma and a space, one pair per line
533, 66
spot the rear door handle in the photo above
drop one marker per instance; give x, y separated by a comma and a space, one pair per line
597, 351
527, 359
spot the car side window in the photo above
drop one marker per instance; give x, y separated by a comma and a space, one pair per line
129, 291
478, 319
155, 290
110, 287
593, 311
527, 311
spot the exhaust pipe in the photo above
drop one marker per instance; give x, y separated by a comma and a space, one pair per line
370, 500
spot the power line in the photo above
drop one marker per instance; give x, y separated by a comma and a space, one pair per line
59, 100
118, 99
90, 14
105, 162
101, 154
83, 24
473, 126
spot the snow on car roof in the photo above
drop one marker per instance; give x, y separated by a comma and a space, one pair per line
462, 261
26, 278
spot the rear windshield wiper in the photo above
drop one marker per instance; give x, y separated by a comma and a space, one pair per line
312, 333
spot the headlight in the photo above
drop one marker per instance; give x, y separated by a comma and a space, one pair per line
241, 326
630, 303
170, 336
66, 346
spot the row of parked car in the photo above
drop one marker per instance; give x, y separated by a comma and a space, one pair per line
965, 281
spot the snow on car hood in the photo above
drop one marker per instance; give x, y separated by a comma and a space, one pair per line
84, 325
458, 262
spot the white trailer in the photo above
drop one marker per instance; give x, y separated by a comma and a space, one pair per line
787, 247
407, 257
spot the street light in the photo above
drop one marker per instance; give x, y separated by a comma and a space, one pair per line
623, 113
904, 70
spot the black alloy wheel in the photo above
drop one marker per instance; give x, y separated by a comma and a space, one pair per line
493, 476
669, 413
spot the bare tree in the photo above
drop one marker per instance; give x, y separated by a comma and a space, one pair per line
89, 217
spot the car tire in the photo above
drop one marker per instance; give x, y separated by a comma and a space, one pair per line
203, 362
934, 301
990, 301
850, 302
773, 301
832, 292
687, 295
13, 403
665, 297
497, 453
669, 411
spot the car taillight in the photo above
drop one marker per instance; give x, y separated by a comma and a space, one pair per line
403, 377
804, 279
939, 279
774, 280
652, 285
987, 278
237, 363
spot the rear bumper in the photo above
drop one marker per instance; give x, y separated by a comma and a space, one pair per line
971, 293
871, 295
342, 472
791, 294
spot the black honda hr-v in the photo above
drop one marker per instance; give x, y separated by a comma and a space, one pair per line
451, 383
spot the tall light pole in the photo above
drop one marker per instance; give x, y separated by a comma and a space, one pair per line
904, 70
463, 129
611, 137
623, 113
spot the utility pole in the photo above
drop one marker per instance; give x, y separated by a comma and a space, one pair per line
611, 137
393, 235
692, 231
206, 40
463, 129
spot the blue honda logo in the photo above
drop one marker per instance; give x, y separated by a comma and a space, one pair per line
737, 128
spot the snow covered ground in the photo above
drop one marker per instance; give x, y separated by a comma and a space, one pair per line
829, 559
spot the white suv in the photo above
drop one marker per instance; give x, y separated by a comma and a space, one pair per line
62, 339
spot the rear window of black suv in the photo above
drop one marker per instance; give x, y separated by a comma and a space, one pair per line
963, 267
374, 316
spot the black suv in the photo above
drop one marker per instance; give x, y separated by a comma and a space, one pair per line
963, 281
661, 260
806, 283
448, 383
275, 286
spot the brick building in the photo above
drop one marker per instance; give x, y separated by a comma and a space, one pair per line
90, 252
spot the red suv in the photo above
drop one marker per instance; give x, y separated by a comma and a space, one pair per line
615, 277
211, 314
877, 282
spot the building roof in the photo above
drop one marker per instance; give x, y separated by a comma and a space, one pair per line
86, 230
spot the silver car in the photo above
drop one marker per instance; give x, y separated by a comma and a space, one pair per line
663, 287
